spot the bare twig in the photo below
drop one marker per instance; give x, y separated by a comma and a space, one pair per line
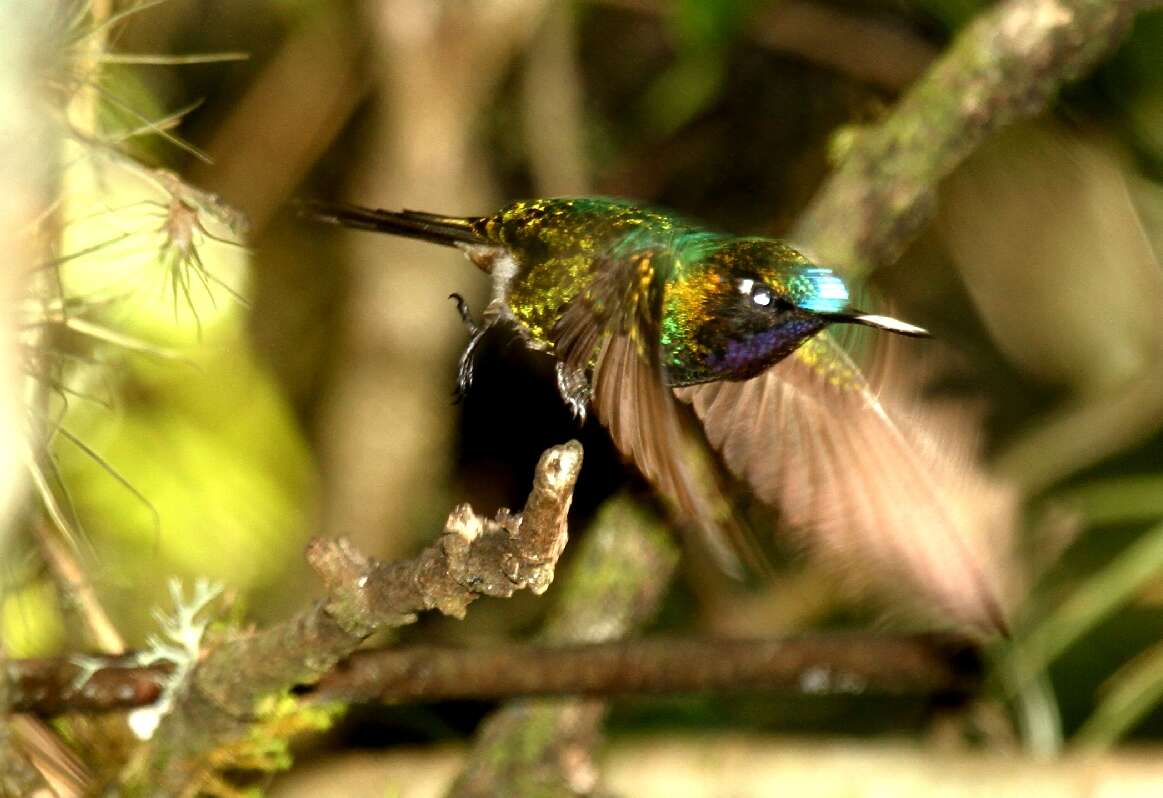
713, 765
77, 589
33, 759
56, 685
881, 52
17, 776
63, 773
1009, 63
475, 556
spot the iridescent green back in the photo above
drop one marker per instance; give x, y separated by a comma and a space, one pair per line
663, 281
561, 245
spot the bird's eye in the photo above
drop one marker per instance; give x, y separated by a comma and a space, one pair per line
757, 292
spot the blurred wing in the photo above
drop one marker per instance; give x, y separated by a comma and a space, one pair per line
614, 326
877, 481
632, 400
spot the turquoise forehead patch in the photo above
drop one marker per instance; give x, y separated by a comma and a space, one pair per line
819, 290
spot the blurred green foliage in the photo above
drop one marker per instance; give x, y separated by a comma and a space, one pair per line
682, 108
173, 451
224, 479
703, 33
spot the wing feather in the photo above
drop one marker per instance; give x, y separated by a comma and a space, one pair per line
632, 401
875, 480
617, 335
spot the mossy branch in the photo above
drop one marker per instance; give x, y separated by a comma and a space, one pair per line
822, 664
475, 556
1008, 64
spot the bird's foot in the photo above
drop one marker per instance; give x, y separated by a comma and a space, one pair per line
465, 314
464, 368
477, 330
574, 387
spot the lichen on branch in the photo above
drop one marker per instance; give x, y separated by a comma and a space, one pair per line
474, 556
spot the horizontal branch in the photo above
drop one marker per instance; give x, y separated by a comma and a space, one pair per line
817, 665
58, 685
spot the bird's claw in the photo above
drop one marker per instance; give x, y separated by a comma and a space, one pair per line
574, 387
465, 314
464, 369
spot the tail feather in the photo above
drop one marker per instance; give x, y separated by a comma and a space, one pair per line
447, 230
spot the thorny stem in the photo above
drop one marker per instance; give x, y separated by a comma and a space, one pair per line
85, 110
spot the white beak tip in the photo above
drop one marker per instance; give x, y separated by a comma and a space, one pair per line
892, 325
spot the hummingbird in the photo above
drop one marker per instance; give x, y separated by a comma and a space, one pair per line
645, 311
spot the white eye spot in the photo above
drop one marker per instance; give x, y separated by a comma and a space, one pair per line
746, 285
761, 297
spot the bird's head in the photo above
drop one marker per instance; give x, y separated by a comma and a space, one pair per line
745, 304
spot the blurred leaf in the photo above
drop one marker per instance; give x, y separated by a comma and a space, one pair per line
682, 92
702, 24
1148, 197
1129, 696
1054, 252
1133, 83
1088, 605
1143, 49
299, 12
30, 620
216, 455
1042, 227
953, 14
1038, 718
703, 30
1145, 117
1118, 500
